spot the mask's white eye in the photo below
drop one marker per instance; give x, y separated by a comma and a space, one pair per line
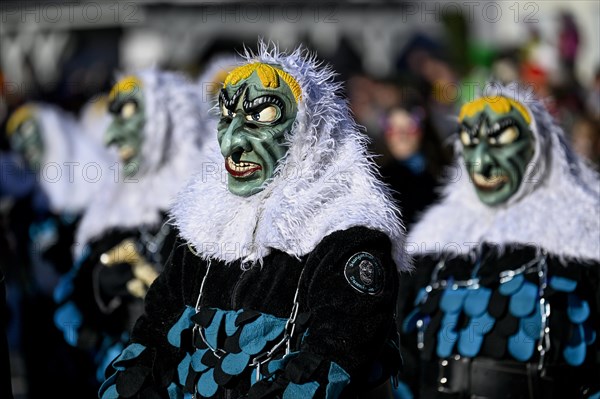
268, 114
507, 136
227, 112
465, 138
128, 110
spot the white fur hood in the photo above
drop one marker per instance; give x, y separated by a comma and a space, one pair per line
326, 182
73, 165
557, 209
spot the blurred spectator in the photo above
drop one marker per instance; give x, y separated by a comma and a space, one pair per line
585, 137
417, 159
568, 44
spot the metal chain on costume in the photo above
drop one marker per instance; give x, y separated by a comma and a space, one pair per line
289, 329
544, 341
259, 360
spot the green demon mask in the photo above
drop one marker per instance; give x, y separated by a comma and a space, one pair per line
26, 136
126, 104
258, 104
498, 144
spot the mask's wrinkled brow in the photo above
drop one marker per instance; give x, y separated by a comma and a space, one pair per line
229, 103
252, 105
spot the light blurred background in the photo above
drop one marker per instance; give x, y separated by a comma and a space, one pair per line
407, 66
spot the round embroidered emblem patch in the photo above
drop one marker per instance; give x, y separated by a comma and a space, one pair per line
364, 273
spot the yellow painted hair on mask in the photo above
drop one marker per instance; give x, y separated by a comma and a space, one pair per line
22, 114
269, 77
127, 84
498, 104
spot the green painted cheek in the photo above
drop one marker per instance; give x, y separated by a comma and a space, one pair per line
505, 166
265, 151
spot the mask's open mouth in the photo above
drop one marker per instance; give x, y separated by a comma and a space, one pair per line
238, 168
489, 183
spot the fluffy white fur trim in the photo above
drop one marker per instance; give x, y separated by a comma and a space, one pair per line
73, 165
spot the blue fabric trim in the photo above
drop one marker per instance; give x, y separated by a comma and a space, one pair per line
575, 351
483, 324
410, 322
402, 391
521, 345
206, 384
532, 325
589, 333
111, 353
131, 352
447, 335
211, 333
174, 391
196, 360
300, 391
595, 396
68, 319
337, 378
563, 284
184, 322
511, 286
230, 327
64, 287
578, 309
477, 301
110, 393
524, 300
453, 300
235, 363
107, 389
255, 336
469, 343
183, 369
420, 295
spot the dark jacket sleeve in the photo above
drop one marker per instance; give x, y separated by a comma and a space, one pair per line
349, 319
147, 367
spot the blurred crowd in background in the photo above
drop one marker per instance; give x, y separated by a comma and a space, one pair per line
406, 68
